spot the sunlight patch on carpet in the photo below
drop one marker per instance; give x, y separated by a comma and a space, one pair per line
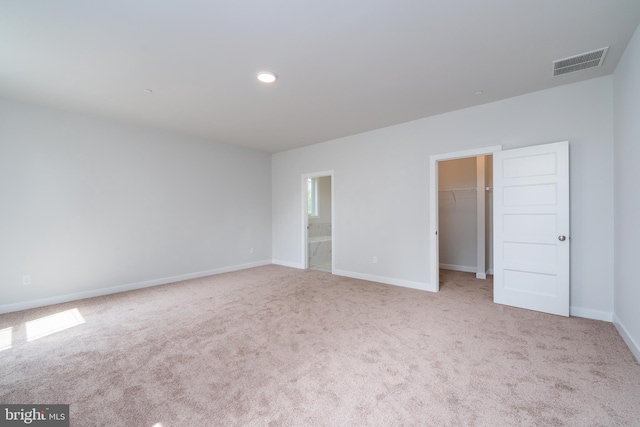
5, 338
51, 324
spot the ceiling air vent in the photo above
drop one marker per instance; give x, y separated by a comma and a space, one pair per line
579, 62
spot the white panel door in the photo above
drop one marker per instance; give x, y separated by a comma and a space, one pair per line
531, 228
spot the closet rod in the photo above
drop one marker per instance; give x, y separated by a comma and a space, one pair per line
460, 189
453, 192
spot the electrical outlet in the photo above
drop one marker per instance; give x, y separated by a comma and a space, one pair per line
26, 279
375, 259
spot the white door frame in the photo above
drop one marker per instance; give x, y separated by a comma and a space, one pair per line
305, 217
433, 204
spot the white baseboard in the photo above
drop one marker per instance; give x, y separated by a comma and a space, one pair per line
454, 267
628, 339
587, 313
386, 280
482, 276
25, 305
288, 264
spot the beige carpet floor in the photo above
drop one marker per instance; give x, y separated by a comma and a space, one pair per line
279, 346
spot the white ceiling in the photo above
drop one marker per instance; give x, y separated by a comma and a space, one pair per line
344, 66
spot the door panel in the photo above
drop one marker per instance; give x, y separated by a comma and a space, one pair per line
529, 195
543, 164
540, 224
531, 228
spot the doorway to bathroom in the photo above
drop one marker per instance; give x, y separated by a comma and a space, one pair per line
318, 221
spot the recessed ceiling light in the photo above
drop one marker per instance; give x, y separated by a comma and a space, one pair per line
266, 77
479, 92
148, 91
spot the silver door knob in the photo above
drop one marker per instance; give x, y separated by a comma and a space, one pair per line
562, 238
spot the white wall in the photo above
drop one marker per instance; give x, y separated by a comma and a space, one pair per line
627, 194
381, 185
91, 206
457, 213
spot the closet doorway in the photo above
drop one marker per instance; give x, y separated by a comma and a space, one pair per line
465, 215
530, 225
465, 246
